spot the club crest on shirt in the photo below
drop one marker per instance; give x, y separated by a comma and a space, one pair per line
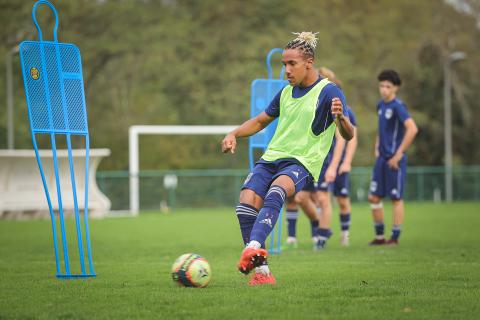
388, 113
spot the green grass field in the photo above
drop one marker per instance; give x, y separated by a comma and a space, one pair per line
433, 274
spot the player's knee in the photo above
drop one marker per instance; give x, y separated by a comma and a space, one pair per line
344, 204
249, 197
286, 183
397, 202
301, 197
323, 196
375, 202
374, 199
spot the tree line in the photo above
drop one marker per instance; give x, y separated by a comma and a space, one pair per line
192, 62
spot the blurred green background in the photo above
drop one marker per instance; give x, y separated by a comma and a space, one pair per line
192, 62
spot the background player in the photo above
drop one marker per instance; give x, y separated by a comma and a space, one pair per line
396, 131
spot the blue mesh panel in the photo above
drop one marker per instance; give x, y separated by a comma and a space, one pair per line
54, 86
36, 89
70, 57
55, 97
263, 91
75, 110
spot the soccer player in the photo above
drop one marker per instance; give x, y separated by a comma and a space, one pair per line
309, 111
335, 172
396, 131
306, 197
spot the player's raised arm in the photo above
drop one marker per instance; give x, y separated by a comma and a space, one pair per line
343, 123
248, 128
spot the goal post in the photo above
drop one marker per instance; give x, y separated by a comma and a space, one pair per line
133, 141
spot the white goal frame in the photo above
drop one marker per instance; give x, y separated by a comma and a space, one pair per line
133, 136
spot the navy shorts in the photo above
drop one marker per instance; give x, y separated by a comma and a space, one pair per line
320, 184
387, 182
340, 187
265, 172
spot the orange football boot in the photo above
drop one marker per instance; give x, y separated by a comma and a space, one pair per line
259, 279
250, 259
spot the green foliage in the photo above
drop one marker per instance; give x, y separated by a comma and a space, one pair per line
192, 62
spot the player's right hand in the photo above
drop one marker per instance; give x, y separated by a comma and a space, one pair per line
229, 143
330, 174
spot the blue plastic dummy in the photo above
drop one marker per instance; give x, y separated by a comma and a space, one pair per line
54, 90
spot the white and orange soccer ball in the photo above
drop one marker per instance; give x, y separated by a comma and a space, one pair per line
191, 270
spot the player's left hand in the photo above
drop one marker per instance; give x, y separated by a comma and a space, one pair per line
344, 168
330, 174
393, 162
337, 107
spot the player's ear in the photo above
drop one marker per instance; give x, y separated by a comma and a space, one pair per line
309, 62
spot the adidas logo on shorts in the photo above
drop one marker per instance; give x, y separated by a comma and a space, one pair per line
267, 221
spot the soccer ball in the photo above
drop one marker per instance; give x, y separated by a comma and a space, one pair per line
191, 270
